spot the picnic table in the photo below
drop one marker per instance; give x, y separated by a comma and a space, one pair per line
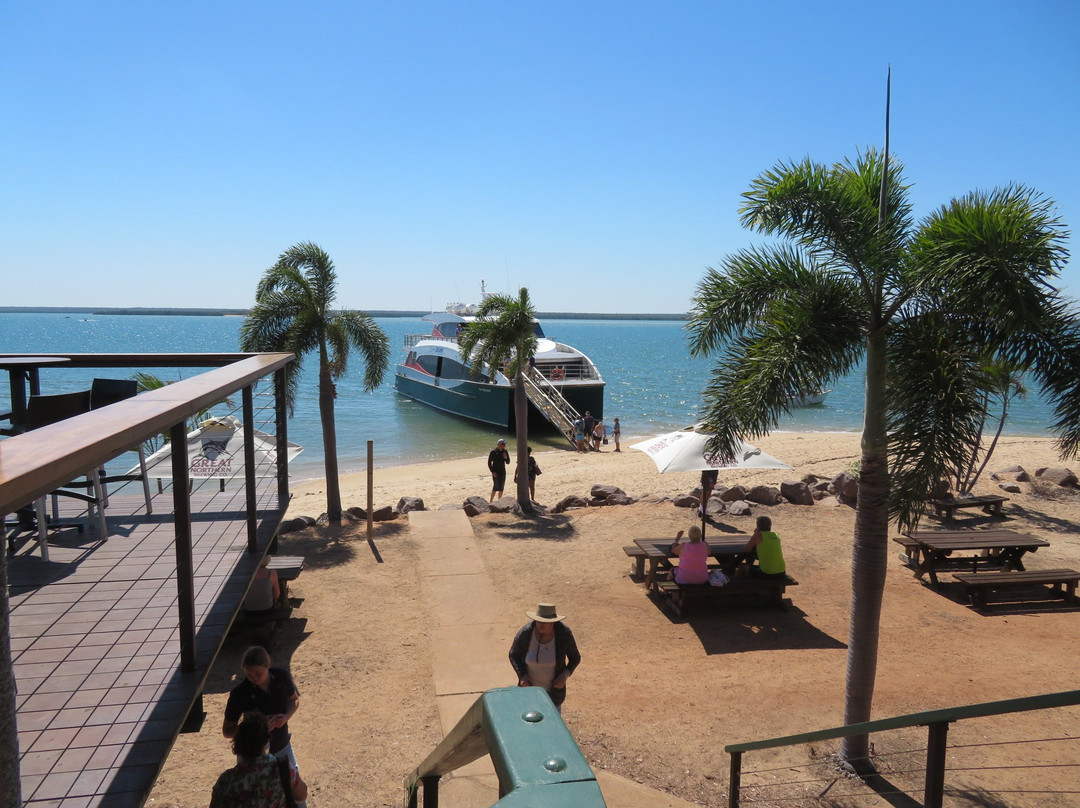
657, 552
946, 507
288, 568
1002, 548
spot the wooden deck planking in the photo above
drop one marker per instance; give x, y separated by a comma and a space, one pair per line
96, 643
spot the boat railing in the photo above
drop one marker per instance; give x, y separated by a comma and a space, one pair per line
411, 340
546, 397
578, 371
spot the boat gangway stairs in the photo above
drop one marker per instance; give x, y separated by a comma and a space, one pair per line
550, 402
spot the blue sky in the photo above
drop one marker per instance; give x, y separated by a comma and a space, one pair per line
165, 154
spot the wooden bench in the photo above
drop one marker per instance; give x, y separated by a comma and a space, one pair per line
679, 597
946, 508
911, 550
637, 559
1062, 581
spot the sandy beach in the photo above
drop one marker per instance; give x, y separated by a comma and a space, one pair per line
655, 700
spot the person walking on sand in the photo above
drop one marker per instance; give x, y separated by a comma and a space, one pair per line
533, 471
616, 434
599, 435
498, 460
544, 653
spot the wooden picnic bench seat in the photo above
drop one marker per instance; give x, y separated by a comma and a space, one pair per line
1062, 581
946, 507
267, 620
680, 596
637, 559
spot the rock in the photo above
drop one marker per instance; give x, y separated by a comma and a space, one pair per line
821, 486
605, 491
810, 479
845, 487
384, 514
570, 502
797, 493
715, 507
406, 504
295, 524
357, 513
733, 494
448, 506
1015, 474
323, 520
1057, 474
474, 506
1012, 488
764, 495
619, 498
687, 501
739, 508
505, 505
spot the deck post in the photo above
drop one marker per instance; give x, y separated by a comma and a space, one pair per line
431, 790
249, 470
281, 428
185, 572
735, 780
10, 778
933, 792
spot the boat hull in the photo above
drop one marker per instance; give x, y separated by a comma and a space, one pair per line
487, 403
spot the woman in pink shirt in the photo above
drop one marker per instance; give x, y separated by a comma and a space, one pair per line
693, 558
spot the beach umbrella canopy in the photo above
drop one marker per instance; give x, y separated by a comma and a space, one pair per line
216, 451
684, 450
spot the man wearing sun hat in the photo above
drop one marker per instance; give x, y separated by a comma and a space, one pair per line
544, 652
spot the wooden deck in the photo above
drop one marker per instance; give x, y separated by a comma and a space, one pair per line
95, 641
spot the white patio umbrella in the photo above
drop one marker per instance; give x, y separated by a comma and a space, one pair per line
684, 450
216, 451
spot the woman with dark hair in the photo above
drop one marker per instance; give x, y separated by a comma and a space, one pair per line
258, 780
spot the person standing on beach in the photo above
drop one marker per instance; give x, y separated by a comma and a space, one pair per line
616, 434
270, 691
533, 471
544, 653
708, 483
588, 422
599, 435
498, 460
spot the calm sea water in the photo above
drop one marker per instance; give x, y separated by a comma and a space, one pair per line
653, 385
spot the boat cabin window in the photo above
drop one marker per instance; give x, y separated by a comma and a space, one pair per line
538, 331
444, 367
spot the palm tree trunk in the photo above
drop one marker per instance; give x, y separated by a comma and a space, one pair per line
10, 785
521, 428
329, 432
869, 558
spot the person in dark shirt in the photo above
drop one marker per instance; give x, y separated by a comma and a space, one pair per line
267, 690
498, 460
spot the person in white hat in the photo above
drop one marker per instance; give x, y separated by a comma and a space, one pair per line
544, 653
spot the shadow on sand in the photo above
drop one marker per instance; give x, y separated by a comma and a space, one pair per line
736, 628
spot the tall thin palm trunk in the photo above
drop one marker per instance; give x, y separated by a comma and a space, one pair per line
329, 433
521, 430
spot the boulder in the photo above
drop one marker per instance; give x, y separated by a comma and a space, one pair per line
1015, 474
605, 491
357, 513
845, 487
764, 495
474, 506
505, 505
1057, 475
715, 507
323, 520
406, 504
797, 493
739, 508
570, 502
687, 501
810, 479
295, 524
733, 494
384, 514
619, 498
1011, 488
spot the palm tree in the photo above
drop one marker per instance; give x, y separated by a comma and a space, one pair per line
505, 327
293, 313
919, 305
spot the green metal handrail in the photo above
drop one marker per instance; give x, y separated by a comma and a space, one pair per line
936, 720
537, 761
